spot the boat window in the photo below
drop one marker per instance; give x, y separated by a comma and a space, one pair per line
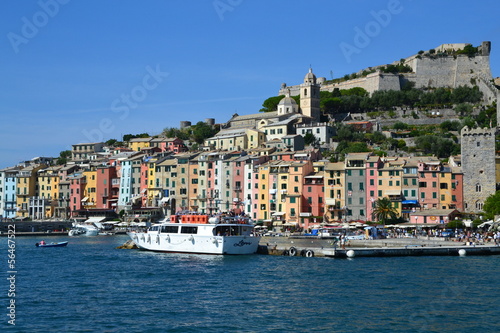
189, 230
155, 228
171, 229
227, 231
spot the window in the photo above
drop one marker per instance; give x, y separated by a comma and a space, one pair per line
293, 199
349, 186
380, 182
422, 195
372, 182
189, 230
361, 172
442, 197
454, 198
443, 186
434, 184
478, 188
380, 193
361, 201
372, 172
434, 195
372, 193
309, 200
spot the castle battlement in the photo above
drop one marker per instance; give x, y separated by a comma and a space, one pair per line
444, 68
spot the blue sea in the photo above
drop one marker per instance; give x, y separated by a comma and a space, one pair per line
90, 286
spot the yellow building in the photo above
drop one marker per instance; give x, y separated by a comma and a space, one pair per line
447, 185
138, 144
334, 191
264, 192
89, 199
154, 183
26, 188
237, 139
48, 188
390, 182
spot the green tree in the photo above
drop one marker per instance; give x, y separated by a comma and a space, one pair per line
310, 139
400, 126
111, 142
201, 131
384, 211
330, 105
491, 206
449, 125
271, 104
64, 156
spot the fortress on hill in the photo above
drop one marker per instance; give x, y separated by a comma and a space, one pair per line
435, 68
446, 66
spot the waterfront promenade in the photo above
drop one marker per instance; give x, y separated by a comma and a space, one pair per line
328, 247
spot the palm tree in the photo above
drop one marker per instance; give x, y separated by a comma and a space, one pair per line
383, 210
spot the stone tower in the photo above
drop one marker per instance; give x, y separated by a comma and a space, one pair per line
309, 97
478, 166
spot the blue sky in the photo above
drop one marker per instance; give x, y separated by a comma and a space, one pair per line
78, 71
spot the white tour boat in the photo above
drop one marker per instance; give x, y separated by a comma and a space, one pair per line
200, 234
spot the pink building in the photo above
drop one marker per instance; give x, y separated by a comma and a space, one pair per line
76, 190
313, 205
433, 217
107, 187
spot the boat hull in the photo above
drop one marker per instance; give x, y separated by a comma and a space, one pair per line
61, 244
200, 244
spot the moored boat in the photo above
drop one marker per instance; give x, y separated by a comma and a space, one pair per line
59, 244
202, 234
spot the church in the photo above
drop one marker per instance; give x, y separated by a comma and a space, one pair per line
254, 130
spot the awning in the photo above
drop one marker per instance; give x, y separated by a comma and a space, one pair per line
392, 192
278, 214
409, 202
144, 191
85, 199
305, 214
94, 219
164, 200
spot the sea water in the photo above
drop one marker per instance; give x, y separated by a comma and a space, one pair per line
90, 286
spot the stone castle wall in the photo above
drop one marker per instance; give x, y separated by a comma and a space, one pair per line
447, 71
